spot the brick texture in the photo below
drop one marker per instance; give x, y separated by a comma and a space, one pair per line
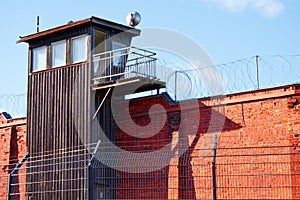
265, 120
258, 137
13, 149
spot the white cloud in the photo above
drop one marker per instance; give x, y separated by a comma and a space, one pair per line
234, 4
269, 8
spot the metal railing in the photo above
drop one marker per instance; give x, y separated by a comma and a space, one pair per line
252, 172
11, 176
123, 63
53, 174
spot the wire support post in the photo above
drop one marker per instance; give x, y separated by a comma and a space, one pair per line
257, 72
10, 176
213, 168
88, 169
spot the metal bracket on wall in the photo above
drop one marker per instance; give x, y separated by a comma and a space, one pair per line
98, 109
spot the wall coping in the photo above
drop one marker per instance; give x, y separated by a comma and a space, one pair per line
14, 122
283, 91
259, 94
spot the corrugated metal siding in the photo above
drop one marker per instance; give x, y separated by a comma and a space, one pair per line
58, 118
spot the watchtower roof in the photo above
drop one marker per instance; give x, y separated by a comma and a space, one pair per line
106, 24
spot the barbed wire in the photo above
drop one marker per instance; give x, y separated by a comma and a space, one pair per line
14, 104
255, 72
183, 83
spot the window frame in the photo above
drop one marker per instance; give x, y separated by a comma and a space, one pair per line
65, 53
33, 69
48, 54
72, 49
116, 53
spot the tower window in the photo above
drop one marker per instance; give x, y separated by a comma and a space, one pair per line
58, 53
39, 58
118, 56
79, 49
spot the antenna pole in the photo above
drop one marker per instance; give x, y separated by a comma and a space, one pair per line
37, 24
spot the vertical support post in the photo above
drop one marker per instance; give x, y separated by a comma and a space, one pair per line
175, 87
137, 72
88, 169
37, 24
9, 188
154, 65
10, 177
213, 168
88, 182
257, 72
110, 65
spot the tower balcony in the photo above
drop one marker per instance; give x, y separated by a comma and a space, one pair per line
125, 66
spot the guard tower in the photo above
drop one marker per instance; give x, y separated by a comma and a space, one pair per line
72, 70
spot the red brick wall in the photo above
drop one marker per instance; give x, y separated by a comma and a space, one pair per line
293, 131
13, 149
263, 123
4, 159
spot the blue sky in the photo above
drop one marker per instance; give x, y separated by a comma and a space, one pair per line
227, 29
